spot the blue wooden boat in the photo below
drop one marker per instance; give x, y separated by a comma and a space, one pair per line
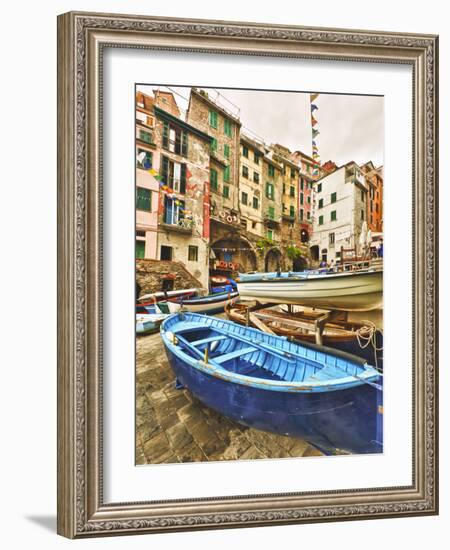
213, 303
332, 400
148, 323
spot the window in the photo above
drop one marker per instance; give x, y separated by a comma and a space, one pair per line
271, 213
226, 174
284, 188
292, 191
255, 203
271, 171
145, 136
270, 234
143, 199
371, 206
270, 191
166, 253
174, 139
226, 191
245, 151
362, 196
256, 177
333, 216
140, 249
362, 215
292, 173
214, 180
212, 118
244, 198
253, 225
174, 175
301, 214
292, 211
227, 127
309, 199
333, 197
301, 198
244, 171
256, 157
193, 253
144, 159
173, 209
301, 184
320, 220
331, 239
320, 203
319, 187
308, 215
226, 150
213, 144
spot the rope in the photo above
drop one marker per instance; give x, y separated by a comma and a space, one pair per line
367, 336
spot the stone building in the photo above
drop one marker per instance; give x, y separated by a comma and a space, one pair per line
183, 213
147, 187
341, 213
231, 249
374, 179
272, 173
250, 187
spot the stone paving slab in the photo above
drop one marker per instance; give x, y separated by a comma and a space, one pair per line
173, 426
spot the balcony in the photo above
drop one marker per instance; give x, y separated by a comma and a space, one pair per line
183, 225
288, 217
271, 220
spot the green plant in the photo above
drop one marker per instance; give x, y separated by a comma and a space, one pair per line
262, 244
293, 252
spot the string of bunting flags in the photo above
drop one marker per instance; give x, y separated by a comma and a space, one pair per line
171, 194
314, 133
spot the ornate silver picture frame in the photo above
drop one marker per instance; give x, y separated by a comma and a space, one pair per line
82, 40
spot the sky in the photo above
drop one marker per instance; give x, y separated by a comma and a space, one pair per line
351, 127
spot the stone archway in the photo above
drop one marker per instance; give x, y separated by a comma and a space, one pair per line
299, 264
273, 260
314, 251
236, 250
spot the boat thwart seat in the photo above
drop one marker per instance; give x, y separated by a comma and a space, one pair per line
233, 354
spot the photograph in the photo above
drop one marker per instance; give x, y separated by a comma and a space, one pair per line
259, 274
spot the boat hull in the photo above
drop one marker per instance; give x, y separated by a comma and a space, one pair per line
337, 421
340, 291
208, 304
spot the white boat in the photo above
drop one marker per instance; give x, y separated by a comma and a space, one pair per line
147, 323
360, 290
213, 303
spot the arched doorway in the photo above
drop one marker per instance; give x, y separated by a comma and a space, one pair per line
299, 264
237, 251
272, 261
304, 236
314, 251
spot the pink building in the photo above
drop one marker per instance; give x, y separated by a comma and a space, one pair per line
147, 187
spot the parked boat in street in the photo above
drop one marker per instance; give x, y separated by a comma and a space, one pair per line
149, 323
360, 290
213, 303
155, 297
332, 400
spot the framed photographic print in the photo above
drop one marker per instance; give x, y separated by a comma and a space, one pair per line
247, 289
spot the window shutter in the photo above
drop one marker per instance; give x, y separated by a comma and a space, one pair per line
168, 210
165, 136
183, 179
184, 144
165, 170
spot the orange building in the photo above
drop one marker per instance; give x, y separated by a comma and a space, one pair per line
374, 179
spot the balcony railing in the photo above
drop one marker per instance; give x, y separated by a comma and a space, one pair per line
183, 225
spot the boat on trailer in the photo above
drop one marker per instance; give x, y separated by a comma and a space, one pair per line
213, 303
359, 290
332, 400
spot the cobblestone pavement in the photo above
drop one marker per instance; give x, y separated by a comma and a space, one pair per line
173, 426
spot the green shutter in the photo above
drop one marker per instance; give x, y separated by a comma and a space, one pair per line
320, 220
271, 212
333, 197
213, 144
183, 179
165, 136
227, 127
184, 144
226, 150
140, 249
143, 199
213, 179
333, 216
320, 203
213, 118
292, 211
226, 174
226, 191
